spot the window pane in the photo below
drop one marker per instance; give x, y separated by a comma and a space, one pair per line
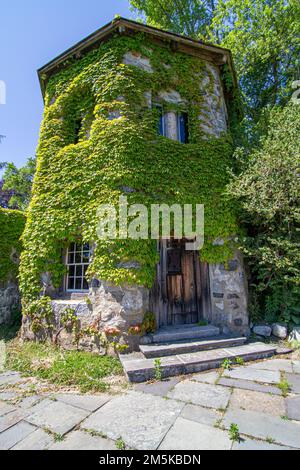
78, 258
71, 283
86, 247
183, 128
78, 262
79, 271
71, 258
71, 271
161, 123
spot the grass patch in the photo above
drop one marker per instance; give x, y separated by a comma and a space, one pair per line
63, 368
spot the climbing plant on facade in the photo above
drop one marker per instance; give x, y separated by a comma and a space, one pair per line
98, 137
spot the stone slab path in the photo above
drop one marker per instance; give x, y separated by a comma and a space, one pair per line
184, 413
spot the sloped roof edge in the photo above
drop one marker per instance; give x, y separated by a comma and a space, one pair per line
121, 25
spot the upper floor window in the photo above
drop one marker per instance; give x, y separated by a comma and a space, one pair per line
77, 129
183, 127
77, 262
161, 119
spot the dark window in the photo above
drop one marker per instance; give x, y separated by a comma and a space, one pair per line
77, 129
174, 261
183, 128
161, 119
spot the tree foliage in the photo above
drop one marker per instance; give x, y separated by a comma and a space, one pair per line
189, 17
263, 36
19, 182
268, 191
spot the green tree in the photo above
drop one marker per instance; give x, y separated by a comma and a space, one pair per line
189, 17
268, 191
263, 36
19, 181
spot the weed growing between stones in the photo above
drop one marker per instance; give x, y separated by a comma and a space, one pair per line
234, 433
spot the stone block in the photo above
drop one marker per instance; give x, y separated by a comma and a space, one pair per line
85, 402
56, 416
262, 330
201, 415
293, 408
210, 396
5, 408
135, 59
253, 444
256, 375
248, 385
158, 388
10, 419
279, 330
257, 401
295, 334
189, 435
140, 419
294, 382
264, 426
36, 440
79, 440
15, 434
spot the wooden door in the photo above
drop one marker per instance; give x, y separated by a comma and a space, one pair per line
183, 283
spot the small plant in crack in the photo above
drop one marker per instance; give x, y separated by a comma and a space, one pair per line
270, 440
227, 364
120, 444
239, 361
234, 433
285, 418
158, 369
284, 386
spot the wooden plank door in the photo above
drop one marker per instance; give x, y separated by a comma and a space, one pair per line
183, 283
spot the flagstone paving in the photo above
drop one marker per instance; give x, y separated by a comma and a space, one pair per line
182, 413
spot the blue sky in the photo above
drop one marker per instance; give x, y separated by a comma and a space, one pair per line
32, 33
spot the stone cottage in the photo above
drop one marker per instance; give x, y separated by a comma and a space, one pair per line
132, 110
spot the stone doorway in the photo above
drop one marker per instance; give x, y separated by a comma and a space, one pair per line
180, 295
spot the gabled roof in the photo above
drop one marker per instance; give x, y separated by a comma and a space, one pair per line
123, 26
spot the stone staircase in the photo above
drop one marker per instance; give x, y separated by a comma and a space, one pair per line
189, 349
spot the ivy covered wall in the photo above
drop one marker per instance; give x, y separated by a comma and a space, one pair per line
11, 227
119, 147
12, 224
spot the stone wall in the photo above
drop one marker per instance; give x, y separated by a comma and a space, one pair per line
9, 302
105, 306
213, 119
228, 288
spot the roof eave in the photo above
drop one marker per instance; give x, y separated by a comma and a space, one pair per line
121, 24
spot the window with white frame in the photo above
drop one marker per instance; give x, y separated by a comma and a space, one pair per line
77, 261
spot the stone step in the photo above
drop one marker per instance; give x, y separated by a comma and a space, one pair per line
139, 369
183, 347
184, 332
